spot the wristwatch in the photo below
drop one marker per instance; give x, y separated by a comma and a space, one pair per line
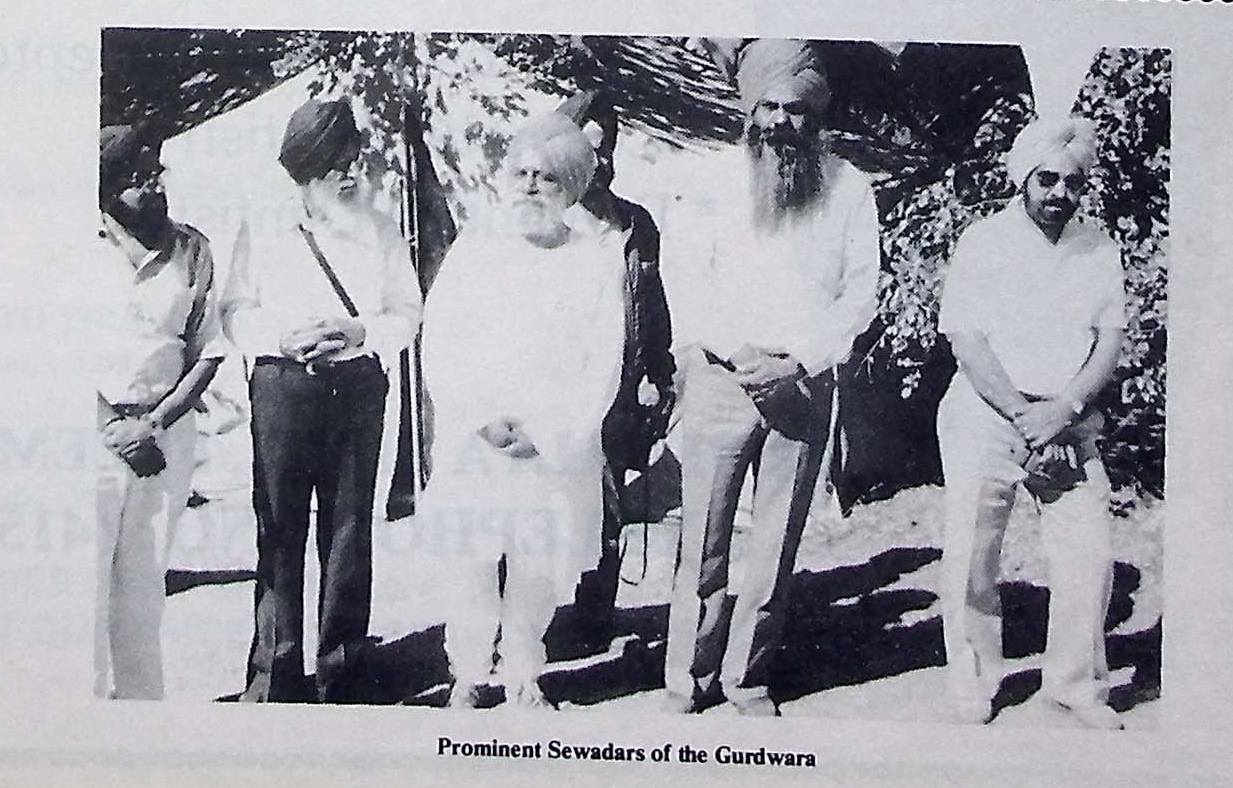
1076, 405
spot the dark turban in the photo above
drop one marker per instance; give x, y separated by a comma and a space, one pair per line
768, 62
317, 135
122, 150
591, 105
566, 147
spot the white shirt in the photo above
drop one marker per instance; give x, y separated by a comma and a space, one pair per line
534, 334
166, 317
807, 290
276, 285
1039, 304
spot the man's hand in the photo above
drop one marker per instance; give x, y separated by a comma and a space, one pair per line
121, 435
1040, 422
500, 433
322, 338
761, 371
506, 436
648, 393
300, 342
349, 329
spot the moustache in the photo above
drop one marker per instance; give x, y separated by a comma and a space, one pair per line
781, 137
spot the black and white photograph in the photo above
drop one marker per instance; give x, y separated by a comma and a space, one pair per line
765, 376
497, 396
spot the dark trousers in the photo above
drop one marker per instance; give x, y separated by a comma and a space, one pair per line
312, 433
595, 600
710, 635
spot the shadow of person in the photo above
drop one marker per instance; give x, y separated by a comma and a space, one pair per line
1025, 619
845, 627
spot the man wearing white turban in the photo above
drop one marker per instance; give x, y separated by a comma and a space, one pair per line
523, 336
1034, 310
777, 295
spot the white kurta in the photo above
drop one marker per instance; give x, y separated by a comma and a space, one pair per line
511, 330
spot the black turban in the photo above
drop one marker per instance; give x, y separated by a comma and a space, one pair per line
317, 135
592, 105
122, 150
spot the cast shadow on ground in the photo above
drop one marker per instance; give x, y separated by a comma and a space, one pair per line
845, 627
180, 580
1025, 610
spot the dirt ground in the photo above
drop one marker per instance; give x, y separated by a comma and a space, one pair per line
863, 642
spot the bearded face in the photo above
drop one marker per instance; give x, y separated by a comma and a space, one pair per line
786, 149
536, 195
344, 185
140, 206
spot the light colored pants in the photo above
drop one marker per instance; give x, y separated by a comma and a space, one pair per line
723, 434
982, 457
478, 610
136, 521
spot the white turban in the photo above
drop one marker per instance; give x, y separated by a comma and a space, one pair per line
566, 147
794, 65
1076, 137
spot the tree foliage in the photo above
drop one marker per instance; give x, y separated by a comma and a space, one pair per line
931, 122
181, 78
1127, 94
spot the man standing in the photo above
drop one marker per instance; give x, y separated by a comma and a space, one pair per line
776, 303
1034, 310
321, 307
165, 351
639, 414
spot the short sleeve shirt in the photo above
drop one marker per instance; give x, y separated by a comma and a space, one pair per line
1039, 304
167, 318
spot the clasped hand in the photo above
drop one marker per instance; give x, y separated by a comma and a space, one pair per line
1041, 421
760, 371
123, 435
322, 339
507, 436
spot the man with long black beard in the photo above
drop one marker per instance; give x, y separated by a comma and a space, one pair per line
164, 351
775, 300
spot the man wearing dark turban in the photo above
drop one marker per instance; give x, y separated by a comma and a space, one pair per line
1034, 310
321, 307
639, 414
779, 293
165, 349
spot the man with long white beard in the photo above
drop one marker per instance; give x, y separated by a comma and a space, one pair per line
523, 334
765, 305
321, 306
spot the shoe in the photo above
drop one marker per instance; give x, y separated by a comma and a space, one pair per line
761, 706
530, 696
676, 703
971, 711
463, 696
1093, 715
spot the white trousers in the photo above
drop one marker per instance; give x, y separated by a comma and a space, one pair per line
982, 457
136, 521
